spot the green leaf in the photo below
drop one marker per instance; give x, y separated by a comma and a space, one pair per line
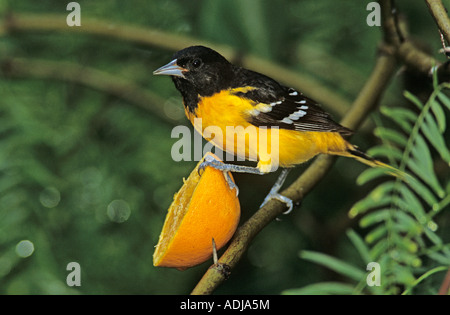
367, 204
432, 133
421, 153
438, 257
391, 135
377, 198
422, 165
402, 256
379, 249
407, 222
322, 288
439, 114
334, 264
413, 99
435, 77
433, 237
403, 275
427, 177
385, 151
370, 174
444, 99
405, 244
375, 218
360, 245
413, 204
422, 191
376, 234
402, 116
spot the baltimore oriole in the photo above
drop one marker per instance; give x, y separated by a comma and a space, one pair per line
223, 95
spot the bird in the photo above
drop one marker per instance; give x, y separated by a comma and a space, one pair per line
225, 95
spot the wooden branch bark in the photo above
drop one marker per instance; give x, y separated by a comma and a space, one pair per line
395, 40
440, 15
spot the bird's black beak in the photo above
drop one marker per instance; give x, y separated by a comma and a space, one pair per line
171, 69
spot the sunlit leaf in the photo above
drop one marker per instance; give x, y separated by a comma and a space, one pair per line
377, 198
375, 217
376, 234
370, 174
407, 222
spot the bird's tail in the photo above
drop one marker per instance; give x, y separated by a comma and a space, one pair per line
362, 157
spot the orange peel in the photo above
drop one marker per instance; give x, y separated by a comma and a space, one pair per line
204, 208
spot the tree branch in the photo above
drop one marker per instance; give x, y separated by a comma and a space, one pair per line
155, 38
439, 14
89, 77
406, 51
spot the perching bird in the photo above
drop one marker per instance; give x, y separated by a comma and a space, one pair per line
225, 95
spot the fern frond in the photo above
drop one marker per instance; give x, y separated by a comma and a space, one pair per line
398, 213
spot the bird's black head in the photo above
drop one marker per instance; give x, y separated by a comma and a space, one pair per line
198, 70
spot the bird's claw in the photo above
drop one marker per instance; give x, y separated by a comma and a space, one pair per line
209, 161
230, 182
289, 203
214, 163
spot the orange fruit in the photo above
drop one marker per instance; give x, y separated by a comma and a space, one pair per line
204, 208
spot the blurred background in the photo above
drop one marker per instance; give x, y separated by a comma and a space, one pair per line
86, 173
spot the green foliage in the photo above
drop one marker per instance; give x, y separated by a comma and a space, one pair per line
399, 215
87, 177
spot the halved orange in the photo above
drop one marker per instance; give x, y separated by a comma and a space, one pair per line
204, 208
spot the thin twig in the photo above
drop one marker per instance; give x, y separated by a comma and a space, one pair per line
86, 76
156, 38
405, 49
439, 14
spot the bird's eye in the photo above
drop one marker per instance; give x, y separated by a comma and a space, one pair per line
196, 63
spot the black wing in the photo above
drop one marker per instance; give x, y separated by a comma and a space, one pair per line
286, 108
